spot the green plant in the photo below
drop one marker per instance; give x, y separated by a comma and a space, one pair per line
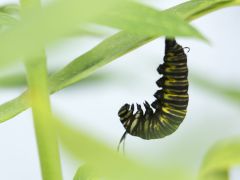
27, 29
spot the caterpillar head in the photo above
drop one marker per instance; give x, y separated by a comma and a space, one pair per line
123, 110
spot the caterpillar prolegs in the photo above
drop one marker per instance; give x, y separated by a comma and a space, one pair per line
169, 109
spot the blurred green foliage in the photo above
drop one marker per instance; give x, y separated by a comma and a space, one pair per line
220, 159
27, 36
13, 80
226, 91
107, 162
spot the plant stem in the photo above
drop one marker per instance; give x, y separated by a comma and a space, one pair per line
44, 128
41, 108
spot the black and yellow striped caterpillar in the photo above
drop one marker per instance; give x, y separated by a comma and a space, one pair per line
169, 108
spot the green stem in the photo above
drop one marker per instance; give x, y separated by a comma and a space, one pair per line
44, 128
41, 108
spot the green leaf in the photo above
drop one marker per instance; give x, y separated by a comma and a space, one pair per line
141, 19
12, 9
191, 10
86, 173
8, 15
222, 90
13, 80
53, 22
105, 52
108, 163
16, 80
12, 108
220, 159
40, 28
6, 19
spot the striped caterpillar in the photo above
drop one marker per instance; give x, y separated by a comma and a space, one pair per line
169, 109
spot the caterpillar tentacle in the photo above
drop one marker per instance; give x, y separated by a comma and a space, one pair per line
167, 112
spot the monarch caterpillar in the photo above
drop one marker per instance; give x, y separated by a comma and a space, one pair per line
169, 108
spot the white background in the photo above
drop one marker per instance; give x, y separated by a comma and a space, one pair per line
94, 107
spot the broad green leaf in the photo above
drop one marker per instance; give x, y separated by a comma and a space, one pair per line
105, 52
8, 15
55, 21
108, 163
141, 19
220, 159
223, 90
40, 28
12, 9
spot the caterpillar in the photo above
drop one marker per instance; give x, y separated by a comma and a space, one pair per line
170, 107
